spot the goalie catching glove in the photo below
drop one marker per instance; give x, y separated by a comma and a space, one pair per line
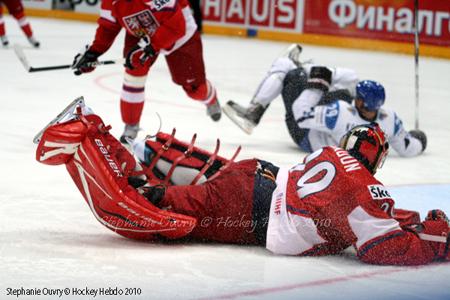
85, 61
141, 52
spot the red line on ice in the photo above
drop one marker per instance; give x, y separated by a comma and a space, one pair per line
314, 283
99, 81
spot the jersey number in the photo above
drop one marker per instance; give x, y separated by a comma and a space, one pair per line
306, 188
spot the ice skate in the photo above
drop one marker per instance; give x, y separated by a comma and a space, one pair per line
129, 134
67, 114
293, 52
4, 40
214, 111
35, 43
245, 118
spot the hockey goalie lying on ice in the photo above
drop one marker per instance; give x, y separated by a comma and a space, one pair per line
321, 206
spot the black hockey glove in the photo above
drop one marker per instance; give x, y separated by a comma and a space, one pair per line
140, 53
85, 61
319, 78
420, 135
332, 96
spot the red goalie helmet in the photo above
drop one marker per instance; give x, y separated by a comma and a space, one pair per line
368, 144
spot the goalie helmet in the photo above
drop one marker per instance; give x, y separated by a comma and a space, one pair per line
371, 93
368, 144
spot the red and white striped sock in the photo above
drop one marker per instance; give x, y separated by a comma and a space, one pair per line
132, 98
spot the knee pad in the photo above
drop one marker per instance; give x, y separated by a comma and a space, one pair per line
139, 71
204, 92
283, 65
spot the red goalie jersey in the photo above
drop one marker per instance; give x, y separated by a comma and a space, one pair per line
331, 202
168, 23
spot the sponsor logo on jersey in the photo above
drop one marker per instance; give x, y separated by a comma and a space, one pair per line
278, 201
161, 4
332, 115
378, 192
112, 164
141, 24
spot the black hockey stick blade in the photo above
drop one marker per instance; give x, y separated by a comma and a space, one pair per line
61, 116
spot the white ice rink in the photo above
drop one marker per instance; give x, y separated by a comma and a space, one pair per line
49, 238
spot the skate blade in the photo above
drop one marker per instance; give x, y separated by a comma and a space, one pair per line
293, 52
245, 125
238, 109
62, 116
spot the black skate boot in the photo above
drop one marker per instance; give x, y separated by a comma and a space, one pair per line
245, 118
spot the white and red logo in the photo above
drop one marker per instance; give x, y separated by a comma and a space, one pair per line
141, 24
112, 164
162, 4
283, 15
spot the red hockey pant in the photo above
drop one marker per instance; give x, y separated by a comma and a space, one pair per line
186, 68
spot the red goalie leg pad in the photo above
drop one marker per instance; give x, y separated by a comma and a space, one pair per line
59, 142
96, 170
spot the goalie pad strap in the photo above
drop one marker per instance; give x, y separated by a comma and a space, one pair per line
185, 155
208, 164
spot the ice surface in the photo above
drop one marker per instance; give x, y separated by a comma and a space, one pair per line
48, 237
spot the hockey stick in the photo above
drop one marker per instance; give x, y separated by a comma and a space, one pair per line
416, 59
69, 110
23, 59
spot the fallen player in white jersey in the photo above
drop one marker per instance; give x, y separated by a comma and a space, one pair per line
318, 105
